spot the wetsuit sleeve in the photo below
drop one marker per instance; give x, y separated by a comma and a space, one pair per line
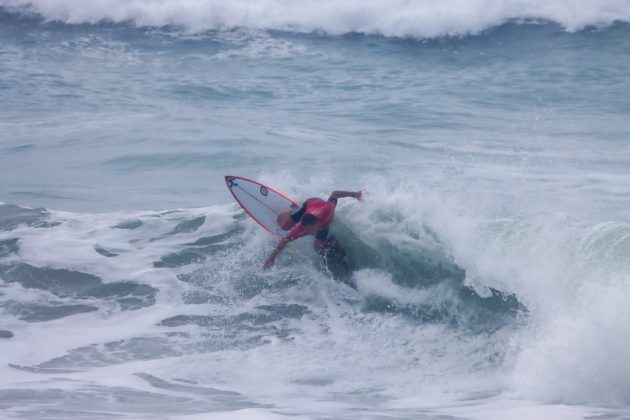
322, 235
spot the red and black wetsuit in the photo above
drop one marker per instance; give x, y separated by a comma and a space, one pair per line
323, 210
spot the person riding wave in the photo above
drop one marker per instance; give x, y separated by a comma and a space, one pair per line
313, 218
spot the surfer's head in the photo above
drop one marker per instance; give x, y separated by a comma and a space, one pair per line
311, 224
309, 219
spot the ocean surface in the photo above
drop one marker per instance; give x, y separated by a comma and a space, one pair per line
489, 262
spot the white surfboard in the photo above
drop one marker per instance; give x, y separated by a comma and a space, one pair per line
260, 202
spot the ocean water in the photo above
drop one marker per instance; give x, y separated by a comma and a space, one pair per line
490, 259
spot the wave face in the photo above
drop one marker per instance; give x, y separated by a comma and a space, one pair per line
400, 18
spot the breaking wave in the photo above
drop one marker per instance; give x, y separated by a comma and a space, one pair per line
398, 18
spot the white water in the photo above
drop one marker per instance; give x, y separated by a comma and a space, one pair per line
402, 18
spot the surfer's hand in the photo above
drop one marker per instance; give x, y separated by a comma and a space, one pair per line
269, 262
358, 195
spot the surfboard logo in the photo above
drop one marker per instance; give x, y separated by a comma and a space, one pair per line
230, 181
264, 191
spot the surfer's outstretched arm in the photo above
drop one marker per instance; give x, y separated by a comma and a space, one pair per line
342, 194
272, 257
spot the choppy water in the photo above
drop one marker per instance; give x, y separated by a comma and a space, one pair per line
491, 257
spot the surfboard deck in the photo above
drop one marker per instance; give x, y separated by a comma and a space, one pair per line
261, 202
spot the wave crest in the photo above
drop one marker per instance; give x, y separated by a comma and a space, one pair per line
399, 18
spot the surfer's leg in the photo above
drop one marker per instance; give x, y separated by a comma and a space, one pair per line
335, 253
330, 249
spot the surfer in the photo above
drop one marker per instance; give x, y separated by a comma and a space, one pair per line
313, 218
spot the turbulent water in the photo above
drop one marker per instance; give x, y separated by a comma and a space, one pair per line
490, 259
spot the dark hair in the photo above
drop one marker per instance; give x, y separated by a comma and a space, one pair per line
308, 219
